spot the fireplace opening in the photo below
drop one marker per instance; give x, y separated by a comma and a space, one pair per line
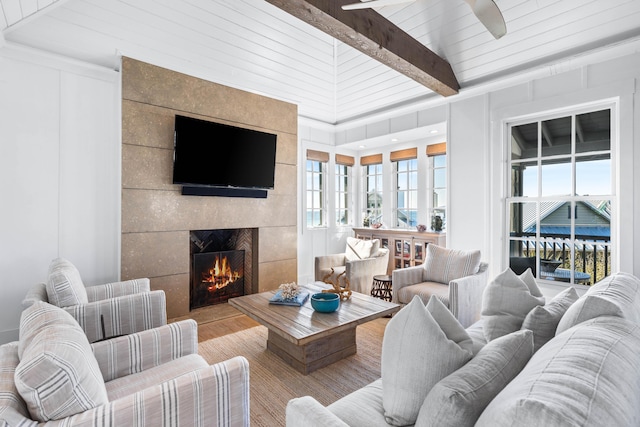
217, 276
223, 265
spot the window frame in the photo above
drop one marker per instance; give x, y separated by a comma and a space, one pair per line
410, 175
377, 211
343, 194
573, 199
310, 173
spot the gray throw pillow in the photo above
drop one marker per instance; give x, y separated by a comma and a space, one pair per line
421, 345
459, 399
543, 319
616, 295
506, 301
585, 376
443, 265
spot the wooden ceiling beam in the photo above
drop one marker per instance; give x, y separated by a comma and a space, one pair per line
372, 34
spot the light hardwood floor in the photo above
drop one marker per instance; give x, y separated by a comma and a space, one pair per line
218, 320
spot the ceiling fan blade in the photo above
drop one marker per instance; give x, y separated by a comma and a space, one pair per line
489, 15
374, 3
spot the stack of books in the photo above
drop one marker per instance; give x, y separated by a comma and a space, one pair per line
298, 300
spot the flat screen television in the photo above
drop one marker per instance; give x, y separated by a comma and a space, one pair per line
208, 154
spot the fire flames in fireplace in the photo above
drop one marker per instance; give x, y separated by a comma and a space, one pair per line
220, 274
216, 277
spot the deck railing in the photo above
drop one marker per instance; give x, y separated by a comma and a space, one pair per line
592, 253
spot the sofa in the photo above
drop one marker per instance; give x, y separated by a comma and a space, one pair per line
53, 376
456, 277
102, 311
570, 361
361, 260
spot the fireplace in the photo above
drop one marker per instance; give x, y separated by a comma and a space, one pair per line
223, 265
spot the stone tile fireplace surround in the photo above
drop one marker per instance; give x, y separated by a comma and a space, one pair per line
157, 219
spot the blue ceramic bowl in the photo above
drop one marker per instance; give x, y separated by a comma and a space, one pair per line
325, 302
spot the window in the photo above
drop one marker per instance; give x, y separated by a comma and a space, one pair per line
343, 196
316, 216
372, 194
560, 201
438, 201
406, 208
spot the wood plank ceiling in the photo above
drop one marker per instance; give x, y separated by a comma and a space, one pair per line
252, 45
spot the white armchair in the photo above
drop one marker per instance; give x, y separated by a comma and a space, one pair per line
457, 278
103, 311
361, 260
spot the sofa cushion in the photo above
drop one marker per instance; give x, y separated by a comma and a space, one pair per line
459, 399
507, 300
366, 400
37, 317
543, 319
585, 376
444, 265
58, 375
358, 249
424, 290
64, 286
421, 345
616, 295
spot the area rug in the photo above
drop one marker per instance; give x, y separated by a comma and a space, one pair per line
274, 383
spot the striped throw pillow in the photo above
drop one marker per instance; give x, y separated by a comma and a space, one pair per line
58, 376
64, 285
443, 265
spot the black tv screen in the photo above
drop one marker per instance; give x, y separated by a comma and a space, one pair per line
218, 155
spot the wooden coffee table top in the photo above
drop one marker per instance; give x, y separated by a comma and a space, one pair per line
301, 325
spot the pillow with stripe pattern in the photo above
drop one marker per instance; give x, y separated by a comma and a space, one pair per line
64, 285
443, 265
58, 376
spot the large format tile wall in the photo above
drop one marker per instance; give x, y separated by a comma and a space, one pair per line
156, 218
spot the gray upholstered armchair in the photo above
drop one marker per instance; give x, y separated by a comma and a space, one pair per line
457, 278
103, 311
361, 260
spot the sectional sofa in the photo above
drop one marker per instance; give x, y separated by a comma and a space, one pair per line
567, 362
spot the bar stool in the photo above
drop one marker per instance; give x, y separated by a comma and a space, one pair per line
381, 287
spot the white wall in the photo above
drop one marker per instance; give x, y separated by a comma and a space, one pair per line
59, 172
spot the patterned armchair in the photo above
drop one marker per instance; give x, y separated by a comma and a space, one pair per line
457, 278
103, 311
53, 376
361, 260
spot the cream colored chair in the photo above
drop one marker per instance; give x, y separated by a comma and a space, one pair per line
457, 278
361, 260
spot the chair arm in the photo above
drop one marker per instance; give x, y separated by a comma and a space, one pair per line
122, 315
465, 296
360, 272
37, 293
327, 261
133, 353
307, 411
216, 395
405, 277
117, 289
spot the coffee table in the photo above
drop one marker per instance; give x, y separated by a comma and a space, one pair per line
308, 340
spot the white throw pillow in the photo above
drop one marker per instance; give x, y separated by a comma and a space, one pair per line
421, 345
64, 285
358, 249
543, 320
506, 301
443, 265
459, 399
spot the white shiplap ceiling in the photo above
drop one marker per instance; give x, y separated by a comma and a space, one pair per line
252, 45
